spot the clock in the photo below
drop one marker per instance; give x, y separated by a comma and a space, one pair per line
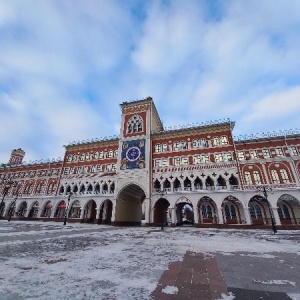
133, 153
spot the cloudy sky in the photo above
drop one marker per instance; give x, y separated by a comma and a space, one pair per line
65, 66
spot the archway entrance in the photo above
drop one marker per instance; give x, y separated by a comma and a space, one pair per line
161, 216
89, 214
232, 210
288, 209
129, 206
207, 211
105, 212
22, 209
258, 210
33, 213
184, 212
2, 209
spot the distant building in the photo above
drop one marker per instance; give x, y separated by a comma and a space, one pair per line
151, 172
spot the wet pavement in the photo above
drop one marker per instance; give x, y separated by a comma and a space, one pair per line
202, 274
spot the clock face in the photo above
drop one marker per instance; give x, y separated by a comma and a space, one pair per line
133, 153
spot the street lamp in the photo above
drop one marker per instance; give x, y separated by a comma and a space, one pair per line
7, 185
162, 193
67, 208
265, 190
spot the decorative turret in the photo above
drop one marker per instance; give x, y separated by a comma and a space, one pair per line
16, 156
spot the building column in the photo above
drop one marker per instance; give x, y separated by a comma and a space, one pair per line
265, 173
173, 216
247, 215
81, 212
147, 211
97, 212
220, 215
276, 215
196, 215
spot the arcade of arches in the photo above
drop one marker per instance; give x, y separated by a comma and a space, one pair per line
133, 208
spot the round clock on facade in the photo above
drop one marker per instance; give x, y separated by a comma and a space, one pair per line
133, 153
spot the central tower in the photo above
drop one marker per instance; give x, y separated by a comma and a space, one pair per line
139, 120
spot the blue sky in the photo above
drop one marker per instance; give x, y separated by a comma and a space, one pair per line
65, 66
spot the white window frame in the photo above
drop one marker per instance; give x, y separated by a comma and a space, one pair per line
227, 156
176, 161
266, 153
224, 140
248, 178
279, 152
293, 151
219, 157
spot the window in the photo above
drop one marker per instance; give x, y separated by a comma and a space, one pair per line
82, 156
197, 159
227, 156
266, 153
176, 146
256, 176
241, 155
69, 158
176, 161
224, 140
66, 171
219, 157
158, 148
201, 143
216, 141
293, 151
205, 158
98, 155
185, 160
279, 151
135, 124
114, 167
275, 176
110, 153
165, 162
253, 154
284, 176
182, 145
96, 168
74, 158
87, 156
115, 153
164, 147
248, 178
82, 170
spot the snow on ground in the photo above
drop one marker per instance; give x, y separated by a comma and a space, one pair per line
85, 261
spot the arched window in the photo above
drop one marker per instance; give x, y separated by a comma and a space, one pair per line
286, 212
248, 177
256, 176
258, 212
230, 211
284, 176
275, 176
135, 124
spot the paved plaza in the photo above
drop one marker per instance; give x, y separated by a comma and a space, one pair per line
46, 260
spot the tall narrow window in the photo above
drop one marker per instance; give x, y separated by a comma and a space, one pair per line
275, 176
256, 177
279, 152
284, 176
224, 140
293, 151
216, 141
241, 155
248, 178
266, 153
253, 154
158, 148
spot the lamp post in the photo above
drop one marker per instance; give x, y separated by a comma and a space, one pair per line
162, 193
265, 190
67, 208
7, 185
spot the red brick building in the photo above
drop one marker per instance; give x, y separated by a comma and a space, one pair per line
197, 174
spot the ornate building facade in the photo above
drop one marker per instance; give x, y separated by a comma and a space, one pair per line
154, 175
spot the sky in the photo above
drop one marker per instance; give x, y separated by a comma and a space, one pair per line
65, 66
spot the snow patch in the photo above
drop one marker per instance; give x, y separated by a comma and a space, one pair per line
294, 296
170, 289
275, 282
